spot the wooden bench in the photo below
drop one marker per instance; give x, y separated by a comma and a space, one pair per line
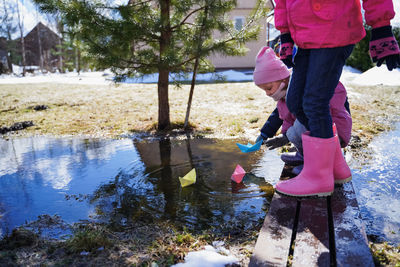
313, 232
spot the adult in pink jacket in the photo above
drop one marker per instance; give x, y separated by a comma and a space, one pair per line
325, 32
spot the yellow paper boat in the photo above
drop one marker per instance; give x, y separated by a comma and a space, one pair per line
189, 178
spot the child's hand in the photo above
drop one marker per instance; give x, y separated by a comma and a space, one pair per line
277, 141
383, 46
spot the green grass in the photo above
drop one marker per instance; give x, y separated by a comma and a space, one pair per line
88, 239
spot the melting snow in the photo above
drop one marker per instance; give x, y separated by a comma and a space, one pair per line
210, 256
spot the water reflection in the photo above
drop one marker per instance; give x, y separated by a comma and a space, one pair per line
121, 181
36, 175
214, 200
378, 188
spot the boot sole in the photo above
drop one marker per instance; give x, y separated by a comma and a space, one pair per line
343, 181
324, 194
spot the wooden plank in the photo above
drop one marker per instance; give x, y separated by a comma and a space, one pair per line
351, 241
312, 238
273, 243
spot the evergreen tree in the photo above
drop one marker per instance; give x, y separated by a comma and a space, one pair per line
148, 36
360, 58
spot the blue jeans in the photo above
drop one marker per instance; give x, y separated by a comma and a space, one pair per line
315, 76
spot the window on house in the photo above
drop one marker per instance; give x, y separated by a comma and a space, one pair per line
239, 23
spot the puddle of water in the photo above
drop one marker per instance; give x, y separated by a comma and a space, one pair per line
121, 181
377, 185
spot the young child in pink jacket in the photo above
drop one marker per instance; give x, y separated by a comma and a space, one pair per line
325, 32
271, 75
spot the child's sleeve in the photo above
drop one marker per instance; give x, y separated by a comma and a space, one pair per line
280, 14
378, 13
285, 126
272, 125
340, 115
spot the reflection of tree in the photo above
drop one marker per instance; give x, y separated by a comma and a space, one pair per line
166, 178
135, 195
125, 199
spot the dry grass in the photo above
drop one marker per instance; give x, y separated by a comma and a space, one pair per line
218, 110
374, 109
221, 109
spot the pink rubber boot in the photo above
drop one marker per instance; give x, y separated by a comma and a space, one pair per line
341, 171
316, 178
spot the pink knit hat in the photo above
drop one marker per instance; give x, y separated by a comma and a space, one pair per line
269, 67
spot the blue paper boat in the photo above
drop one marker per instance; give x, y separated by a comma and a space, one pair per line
249, 147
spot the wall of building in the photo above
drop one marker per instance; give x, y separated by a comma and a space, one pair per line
244, 8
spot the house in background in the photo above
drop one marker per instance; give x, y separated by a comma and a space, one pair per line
41, 45
239, 15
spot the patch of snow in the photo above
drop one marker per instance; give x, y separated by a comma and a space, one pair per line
95, 77
349, 74
210, 256
378, 76
228, 75
348, 69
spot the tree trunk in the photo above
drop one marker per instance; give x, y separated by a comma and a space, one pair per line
9, 39
60, 57
163, 71
79, 59
163, 102
40, 48
195, 67
60, 29
9, 61
23, 54
189, 105
21, 31
10, 67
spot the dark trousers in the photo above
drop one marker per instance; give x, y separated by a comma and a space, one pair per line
315, 76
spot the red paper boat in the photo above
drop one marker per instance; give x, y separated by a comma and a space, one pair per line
238, 174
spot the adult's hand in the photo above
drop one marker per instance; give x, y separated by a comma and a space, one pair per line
286, 49
384, 47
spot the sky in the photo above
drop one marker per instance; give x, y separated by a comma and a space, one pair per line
31, 18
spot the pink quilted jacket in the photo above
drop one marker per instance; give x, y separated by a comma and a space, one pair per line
330, 23
339, 114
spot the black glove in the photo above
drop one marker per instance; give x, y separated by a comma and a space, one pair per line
383, 46
277, 141
286, 50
